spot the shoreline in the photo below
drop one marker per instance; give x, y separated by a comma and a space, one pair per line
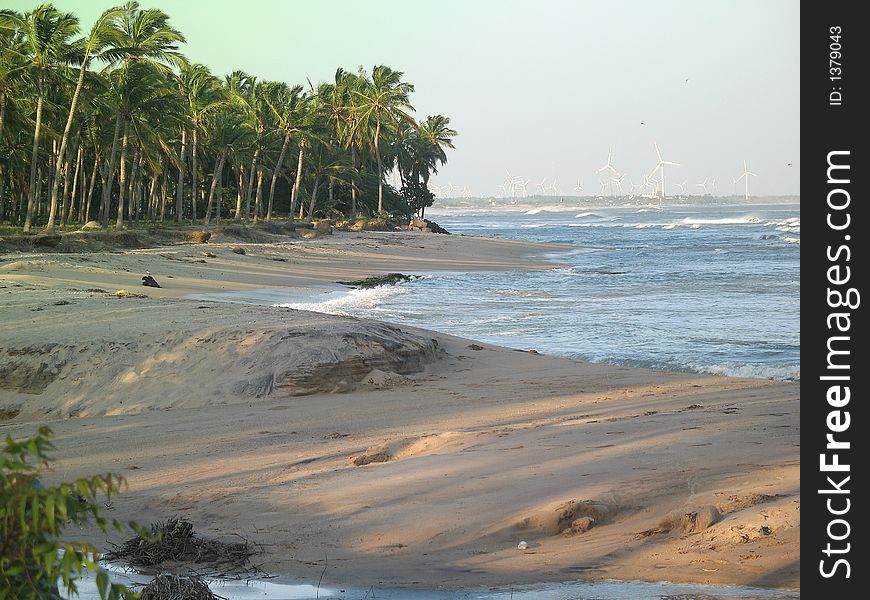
485, 443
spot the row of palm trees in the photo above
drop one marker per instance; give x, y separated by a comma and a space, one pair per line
151, 136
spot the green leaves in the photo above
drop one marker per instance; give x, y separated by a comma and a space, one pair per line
33, 516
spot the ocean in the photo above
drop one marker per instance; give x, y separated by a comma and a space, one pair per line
705, 288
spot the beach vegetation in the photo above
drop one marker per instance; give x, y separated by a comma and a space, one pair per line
34, 561
113, 124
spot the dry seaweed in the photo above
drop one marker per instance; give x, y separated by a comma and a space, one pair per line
175, 542
167, 586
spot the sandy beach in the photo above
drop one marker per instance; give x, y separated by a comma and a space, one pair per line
407, 457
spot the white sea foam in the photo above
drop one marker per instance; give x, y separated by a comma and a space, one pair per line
791, 240
671, 226
586, 214
780, 373
352, 301
724, 221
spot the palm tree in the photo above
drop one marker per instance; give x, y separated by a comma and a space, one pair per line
202, 95
143, 36
229, 134
12, 57
48, 38
383, 99
102, 35
437, 135
286, 104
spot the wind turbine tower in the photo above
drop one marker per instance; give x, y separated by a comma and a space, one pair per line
661, 168
745, 177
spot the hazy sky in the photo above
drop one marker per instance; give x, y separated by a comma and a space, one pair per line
542, 87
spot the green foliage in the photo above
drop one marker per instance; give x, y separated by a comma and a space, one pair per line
417, 196
33, 518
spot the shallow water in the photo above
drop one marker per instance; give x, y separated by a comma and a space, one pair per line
277, 589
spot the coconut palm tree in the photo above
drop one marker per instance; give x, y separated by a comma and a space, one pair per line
202, 95
383, 100
229, 134
286, 104
12, 57
437, 135
48, 39
101, 37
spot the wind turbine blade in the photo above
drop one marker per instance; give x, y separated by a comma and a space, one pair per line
741, 177
751, 173
657, 151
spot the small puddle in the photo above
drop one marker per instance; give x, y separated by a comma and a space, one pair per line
599, 590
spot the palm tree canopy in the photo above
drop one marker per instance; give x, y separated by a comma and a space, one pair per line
144, 34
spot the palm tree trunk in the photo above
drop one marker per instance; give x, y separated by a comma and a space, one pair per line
240, 169
33, 158
164, 190
251, 185
132, 202
64, 205
179, 188
259, 202
353, 185
294, 195
2, 198
122, 182
75, 186
380, 167
275, 175
152, 198
90, 193
313, 199
109, 178
194, 181
65, 140
2, 112
218, 167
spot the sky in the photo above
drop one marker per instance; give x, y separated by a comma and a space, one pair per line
542, 88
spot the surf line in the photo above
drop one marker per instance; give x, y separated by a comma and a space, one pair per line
841, 300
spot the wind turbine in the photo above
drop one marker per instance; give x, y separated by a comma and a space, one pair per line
465, 193
713, 186
609, 166
682, 186
554, 188
503, 188
579, 187
449, 191
745, 178
634, 186
661, 168
521, 184
618, 182
604, 185
543, 187
704, 185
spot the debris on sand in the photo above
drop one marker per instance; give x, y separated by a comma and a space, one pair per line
167, 586
175, 542
149, 281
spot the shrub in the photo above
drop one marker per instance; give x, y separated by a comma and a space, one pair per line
33, 517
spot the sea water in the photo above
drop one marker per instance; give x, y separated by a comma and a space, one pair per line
711, 289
